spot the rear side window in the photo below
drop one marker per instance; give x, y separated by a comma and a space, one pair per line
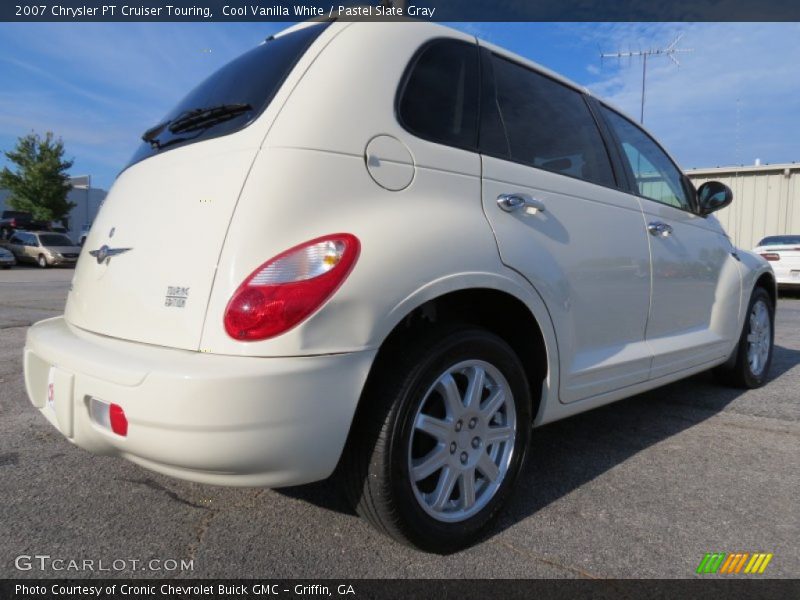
252, 79
656, 176
549, 125
439, 101
55, 239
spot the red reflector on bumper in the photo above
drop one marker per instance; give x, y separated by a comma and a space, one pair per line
119, 423
108, 416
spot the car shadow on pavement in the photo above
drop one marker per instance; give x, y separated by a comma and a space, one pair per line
569, 453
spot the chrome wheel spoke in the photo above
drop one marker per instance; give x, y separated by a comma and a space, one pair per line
467, 488
433, 426
452, 397
444, 489
493, 404
488, 468
427, 466
475, 387
499, 434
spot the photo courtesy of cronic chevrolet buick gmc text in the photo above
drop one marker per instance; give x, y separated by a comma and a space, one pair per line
389, 250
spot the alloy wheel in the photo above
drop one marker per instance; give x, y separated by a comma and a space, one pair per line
462, 441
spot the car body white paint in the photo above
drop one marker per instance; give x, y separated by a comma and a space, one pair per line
203, 406
787, 266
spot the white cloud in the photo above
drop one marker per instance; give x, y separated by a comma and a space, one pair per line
734, 98
99, 85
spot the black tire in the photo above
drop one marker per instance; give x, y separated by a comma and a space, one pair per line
42, 261
6, 266
738, 371
377, 461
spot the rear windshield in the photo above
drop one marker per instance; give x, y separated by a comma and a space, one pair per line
55, 239
247, 84
780, 240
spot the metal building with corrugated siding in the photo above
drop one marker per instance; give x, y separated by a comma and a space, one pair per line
766, 200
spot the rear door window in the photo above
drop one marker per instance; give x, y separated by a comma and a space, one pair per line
247, 83
439, 98
548, 125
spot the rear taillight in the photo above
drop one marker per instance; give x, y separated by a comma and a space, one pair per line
13, 223
771, 256
289, 287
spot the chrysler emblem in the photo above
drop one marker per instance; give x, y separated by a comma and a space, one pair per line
104, 252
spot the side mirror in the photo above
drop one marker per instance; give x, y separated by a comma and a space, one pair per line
711, 196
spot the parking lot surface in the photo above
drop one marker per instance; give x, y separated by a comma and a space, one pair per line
641, 488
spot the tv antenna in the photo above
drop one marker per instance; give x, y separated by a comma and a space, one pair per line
670, 51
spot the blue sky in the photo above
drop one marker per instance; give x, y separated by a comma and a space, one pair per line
735, 98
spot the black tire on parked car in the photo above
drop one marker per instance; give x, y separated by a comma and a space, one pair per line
42, 261
439, 438
749, 365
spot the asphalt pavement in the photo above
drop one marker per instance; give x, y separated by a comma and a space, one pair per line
641, 488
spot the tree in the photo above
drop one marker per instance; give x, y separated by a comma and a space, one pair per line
40, 184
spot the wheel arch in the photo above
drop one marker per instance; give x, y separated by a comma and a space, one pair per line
511, 310
767, 281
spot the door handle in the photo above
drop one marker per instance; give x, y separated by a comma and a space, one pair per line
659, 229
512, 202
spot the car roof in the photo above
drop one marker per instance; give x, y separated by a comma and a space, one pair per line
439, 30
42, 232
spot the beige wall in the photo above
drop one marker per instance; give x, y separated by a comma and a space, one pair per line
766, 200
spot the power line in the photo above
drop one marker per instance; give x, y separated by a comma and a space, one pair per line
670, 51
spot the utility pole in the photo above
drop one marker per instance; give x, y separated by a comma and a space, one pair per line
669, 51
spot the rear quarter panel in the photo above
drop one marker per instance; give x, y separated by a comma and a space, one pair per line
310, 179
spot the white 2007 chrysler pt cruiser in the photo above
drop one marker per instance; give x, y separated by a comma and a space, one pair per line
391, 248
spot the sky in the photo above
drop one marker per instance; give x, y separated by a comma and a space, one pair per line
734, 99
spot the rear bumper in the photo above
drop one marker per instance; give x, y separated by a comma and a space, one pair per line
787, 274
207, 418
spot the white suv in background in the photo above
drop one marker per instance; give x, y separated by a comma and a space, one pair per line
396, 249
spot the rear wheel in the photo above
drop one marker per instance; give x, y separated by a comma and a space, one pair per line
440, 438
749, 366
42, 261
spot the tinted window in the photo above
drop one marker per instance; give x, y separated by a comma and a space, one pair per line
253, 78
16, 239
656, 175
440, 99
54, 239
780, 240
549, 125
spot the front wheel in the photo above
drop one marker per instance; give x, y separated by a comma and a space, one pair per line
42, 261
440, 438
749, 365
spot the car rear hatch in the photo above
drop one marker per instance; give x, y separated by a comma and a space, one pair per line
147, 267
148, 264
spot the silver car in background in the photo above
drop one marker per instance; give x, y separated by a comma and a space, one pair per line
44, 248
